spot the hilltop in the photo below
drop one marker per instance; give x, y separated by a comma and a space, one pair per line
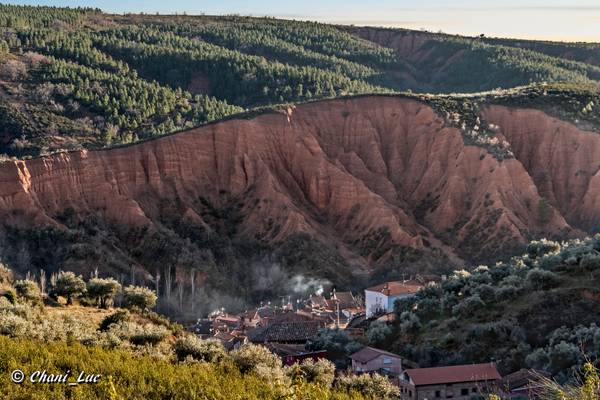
73, 78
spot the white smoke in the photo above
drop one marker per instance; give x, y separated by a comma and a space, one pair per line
300, 284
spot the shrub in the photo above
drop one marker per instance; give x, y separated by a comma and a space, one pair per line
68, 285
137, 296
587, 389
148, 334
373, 386
539, 279
590, 262
28, 290
377, 332
103, 290
13, 325
6, 275
10, 295
249, 357
115, 318
321, 372
468, 306
139, 334
201, 350
538, 248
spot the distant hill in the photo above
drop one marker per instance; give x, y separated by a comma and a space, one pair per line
80, 77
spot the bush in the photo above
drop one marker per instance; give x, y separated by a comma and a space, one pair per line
116, 318
13, 325
539, 279
590, 262
28, 290
137, 296
250, 356
320, 372
68, 285
10, 295
148, 334
468, 306
6, 275
201, 350
102, 290
373, 386
377, 332
538, 248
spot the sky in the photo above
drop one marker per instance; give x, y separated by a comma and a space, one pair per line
575, 20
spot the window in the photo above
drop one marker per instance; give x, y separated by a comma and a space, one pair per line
438, 394
464, 392
387, 360
474, 390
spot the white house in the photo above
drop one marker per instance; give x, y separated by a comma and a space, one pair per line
380, 299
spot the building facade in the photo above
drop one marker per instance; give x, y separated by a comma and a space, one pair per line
380, 299
372, 360
460, 382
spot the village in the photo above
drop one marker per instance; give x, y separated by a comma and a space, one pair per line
289, 329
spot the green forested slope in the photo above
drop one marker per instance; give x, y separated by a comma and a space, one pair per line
79, 77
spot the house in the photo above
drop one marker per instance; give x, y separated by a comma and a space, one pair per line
287, 332
292, 354
525, 384
380, 299
460, 382
370, 360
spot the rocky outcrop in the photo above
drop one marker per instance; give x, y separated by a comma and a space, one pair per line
365, 175
563, 160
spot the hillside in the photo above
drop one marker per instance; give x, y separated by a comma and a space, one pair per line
73, 78
538, 310
371, 185
224, 156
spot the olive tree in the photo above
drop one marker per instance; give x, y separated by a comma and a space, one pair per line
137, 296
103, 290
28, 290
68, 285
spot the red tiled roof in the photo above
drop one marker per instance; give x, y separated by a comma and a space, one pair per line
370, 353
453, 374
397, 287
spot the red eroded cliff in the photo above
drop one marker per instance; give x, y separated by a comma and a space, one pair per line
365, 175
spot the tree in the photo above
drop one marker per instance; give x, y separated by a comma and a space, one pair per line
321, 372
250, 357
201, 350
28, 290
68, 285
372, 386
539, 279
137, 296
377, 332
103, 290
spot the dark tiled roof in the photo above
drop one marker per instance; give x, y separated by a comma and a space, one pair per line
453, 374
293, 331
370, 353
345, 299
396, 288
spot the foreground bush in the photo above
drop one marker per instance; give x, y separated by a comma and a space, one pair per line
201, 350
28, 290
130, 377
588, 389
375, 386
